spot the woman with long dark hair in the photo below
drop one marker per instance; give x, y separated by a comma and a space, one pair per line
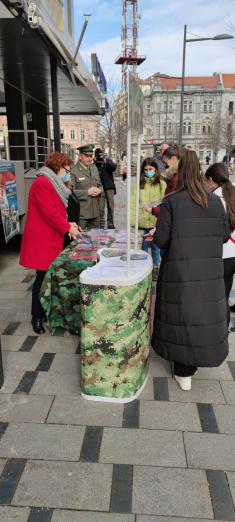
218, 181
190, 324
152, 189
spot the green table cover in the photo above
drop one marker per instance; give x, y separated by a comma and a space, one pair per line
60, 292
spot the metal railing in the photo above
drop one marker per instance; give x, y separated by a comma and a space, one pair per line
31, 148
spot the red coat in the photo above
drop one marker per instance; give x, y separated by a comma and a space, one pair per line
45, 227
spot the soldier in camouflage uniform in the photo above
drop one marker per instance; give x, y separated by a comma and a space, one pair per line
87, 187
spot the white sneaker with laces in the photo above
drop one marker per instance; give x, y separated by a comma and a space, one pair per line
185, 383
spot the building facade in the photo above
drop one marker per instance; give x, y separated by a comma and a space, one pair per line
208, 113
78, 130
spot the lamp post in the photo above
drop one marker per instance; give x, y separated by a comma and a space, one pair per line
186, 40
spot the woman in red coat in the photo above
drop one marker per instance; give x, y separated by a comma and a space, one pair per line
46, 225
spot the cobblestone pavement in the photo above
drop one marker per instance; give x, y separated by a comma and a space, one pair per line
168, 456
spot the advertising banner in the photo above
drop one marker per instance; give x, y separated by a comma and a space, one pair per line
55, 9
135, 105
8, 201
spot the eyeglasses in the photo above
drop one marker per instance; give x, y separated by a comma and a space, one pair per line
67, 169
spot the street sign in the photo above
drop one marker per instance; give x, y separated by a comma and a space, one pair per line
135, 105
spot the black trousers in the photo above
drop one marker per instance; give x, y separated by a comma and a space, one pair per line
37, 309
184, 371
229, 271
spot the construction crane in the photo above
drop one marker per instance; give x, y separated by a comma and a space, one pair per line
129, 59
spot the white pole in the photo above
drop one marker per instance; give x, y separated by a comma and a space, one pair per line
128, 201
137, 190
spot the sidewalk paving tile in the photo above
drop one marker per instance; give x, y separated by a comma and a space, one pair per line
159, 367
132, 446
161, 415
75, 410
225, 416
63, 364
12, 378
12, 343
150, 518
210, 451
14, 514
171, 492
221, 372
66, 485
229, 391
231, 481
46, 442
21, 360
202, 391
88, 516
56, 345
24, 408
48, 383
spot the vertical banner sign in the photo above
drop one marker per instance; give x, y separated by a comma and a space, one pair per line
55, 9
8, 201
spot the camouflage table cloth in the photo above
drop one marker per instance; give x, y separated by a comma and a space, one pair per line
60, 292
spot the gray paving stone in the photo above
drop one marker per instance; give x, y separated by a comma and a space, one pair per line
75, 410
88, 516
12, 378
222, 372
55, 344
159, 367
20, 360
210, 451
25, 328
66, 485
229, 391
162, 415
148, 391
132, 446
6, 304
171, 492
231, 481
68, 363
13, 514
150, 518
225, 416
48, 383
24, 408
231, 354
2, 464
46, 442
13, 295
12, 343
202, 391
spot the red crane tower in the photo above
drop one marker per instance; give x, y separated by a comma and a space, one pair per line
129, 59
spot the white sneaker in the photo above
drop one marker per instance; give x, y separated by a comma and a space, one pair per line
185, 383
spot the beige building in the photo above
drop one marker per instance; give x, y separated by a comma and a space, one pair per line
208, 113
78, 130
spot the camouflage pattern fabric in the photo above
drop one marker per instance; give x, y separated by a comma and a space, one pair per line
60, 292
115, 338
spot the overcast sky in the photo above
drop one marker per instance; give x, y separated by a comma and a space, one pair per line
161, 35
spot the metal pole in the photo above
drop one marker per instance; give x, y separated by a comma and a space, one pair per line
128, 206
137, 199
182, 88
55, 103
166, 116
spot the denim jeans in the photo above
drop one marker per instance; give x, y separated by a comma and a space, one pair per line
155, 251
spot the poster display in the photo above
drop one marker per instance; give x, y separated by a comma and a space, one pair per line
55, 9
8, 200
135, 105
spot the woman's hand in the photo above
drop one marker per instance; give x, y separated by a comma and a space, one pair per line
148, 209
74, 231
150, 234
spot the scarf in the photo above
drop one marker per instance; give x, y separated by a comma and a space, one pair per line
62, 191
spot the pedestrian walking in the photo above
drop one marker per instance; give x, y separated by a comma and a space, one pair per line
218, 181
106, 168
152, 190
123, 167
46, 225
190, 323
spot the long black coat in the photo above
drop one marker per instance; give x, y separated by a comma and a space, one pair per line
190, 324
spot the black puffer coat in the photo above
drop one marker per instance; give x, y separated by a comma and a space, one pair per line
190, 324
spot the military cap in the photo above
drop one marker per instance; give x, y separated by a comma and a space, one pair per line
86, 149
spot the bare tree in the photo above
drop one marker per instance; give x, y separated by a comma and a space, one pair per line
113, 126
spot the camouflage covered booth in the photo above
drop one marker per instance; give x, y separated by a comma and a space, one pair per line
115, 317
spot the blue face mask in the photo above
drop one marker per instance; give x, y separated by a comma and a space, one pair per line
149, 174
66, 177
